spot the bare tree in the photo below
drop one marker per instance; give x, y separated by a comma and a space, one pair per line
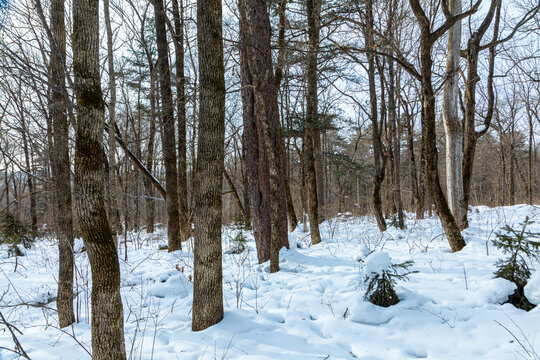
208, 182
107, 314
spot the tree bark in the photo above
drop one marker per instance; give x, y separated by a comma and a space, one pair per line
427, 40
107, 314
208, 182
168, 129
61, 168
112, 121
378, 155
178, 14
453, 128
312, 7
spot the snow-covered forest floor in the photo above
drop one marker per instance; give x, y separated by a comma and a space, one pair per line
312, 309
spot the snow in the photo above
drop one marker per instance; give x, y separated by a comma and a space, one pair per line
377, 262
313, 308
532, 289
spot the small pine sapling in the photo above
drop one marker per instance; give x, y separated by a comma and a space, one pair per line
381, 275
238, 243
522, 246
14, 233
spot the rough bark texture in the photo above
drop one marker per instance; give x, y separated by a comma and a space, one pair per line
257, 170
107, 315
267, 112
112, 114
168, 129
185, 228
61, 168
453, 129
311, 118
208, 182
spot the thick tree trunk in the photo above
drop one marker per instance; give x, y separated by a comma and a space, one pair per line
61, 168
112, 114
107, 315
267, 110
185, 227
257, 171
208, 182
313, 7
168, 129
453, 128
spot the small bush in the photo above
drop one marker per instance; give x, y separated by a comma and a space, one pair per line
14, 233
242, 223
237, 244
522, 249
381, 275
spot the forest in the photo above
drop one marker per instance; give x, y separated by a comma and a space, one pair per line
269, 179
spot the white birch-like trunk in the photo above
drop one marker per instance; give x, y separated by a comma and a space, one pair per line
452, 125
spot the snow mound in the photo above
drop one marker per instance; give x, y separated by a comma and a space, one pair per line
172, 284
377, 262
493, 291
361, 252
532, 289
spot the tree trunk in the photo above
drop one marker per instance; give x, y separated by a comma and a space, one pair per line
61, 168
257, 171
112, 114
149, 202
453, 128
313, 7
168, 129
185, 227
107, 314
378, 155
208, 182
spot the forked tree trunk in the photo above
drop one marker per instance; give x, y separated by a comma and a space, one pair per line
61, 167
311, 118
107, 315
257, 171
168, 129
208, 182
427, 39
267, 110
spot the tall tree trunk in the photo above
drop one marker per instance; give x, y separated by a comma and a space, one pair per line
257, 170
393, 122
471, 136
112, 114
149, 201
267, 111
291, 214
453, 128
379, 158
208, 184
313, 7
178, 14
61, 167
168, 129
107, 314
427, 40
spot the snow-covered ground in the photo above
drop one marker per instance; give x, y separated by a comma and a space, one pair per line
312, 309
